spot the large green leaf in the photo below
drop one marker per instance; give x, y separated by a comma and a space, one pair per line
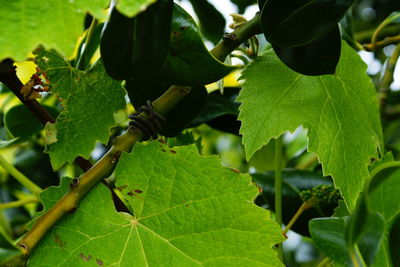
291, 23
189, 211
340, 112
188, 61
89, 99
28, 23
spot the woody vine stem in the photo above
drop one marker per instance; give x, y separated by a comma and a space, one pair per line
80, 186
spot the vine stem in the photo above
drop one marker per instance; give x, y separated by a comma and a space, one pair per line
384, 88
324, 262
18, 203
387, 41
305, 206
80, 186
89, 38
20, 177
278, 188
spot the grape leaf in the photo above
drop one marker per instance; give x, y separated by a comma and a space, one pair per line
340, 112
384, 199
189, 211
89, 99
131, 8
28, 23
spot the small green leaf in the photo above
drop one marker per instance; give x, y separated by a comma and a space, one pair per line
318, 57
20, 121
189, 211
89, 100
212, 23
131, 8
394, 241
328, 235
188, 61
276, 99
288, 23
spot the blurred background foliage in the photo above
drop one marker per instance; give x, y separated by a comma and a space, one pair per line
22, 140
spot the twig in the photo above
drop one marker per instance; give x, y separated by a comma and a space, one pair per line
89, 38
18, 203
387, 79
305, 206
20, 177
278, 188
387, 41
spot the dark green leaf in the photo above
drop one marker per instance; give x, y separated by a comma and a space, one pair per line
316, 58
261, 4
293, 182
188, 62
329, 236
394, 241
221, 111
180, 116
290, 23
21, 123
219, 105
92, 47
136, 47
371, 238
212, 23
356, 226
243, 4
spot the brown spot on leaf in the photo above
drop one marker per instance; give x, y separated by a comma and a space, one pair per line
173, 151
163, 150
99, 262
122, 187
235, 170
85, 258
187, 205
58, 241
138, 191
131, 193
